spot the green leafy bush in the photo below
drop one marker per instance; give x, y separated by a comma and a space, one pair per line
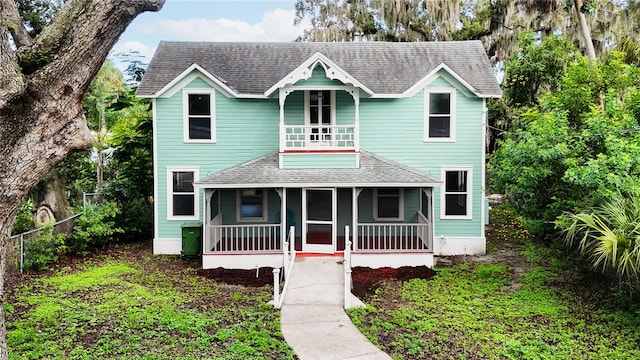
24, 220
95, 228
43, 249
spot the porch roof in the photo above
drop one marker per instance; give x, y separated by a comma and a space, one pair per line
374, 171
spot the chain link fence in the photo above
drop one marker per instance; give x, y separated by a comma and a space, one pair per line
20, 244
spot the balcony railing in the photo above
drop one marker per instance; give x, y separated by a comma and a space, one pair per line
318, 137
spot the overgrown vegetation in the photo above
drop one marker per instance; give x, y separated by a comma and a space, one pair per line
132, 305
540, 304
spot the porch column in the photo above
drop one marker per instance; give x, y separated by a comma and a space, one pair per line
354, 210
283, 218
207, 219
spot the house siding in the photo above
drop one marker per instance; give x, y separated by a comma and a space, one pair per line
246, 129
391, 128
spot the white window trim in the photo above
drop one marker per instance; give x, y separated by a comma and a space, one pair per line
307, 106
452, 123
400, 204
196, 198
185, 114
265, 207
443, 192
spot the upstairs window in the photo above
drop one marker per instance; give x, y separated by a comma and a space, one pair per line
320, 115
252, 205
456, 195
439, 119
182, 196
199, 115
388, 204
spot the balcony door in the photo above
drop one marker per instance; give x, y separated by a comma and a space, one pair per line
319, 214
320, 117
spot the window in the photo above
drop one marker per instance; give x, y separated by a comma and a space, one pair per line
182, 197
388, 204
320, 114
456, 194
439, 122
199, 115
252, 205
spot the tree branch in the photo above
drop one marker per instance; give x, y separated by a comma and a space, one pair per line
13, 23
11, 80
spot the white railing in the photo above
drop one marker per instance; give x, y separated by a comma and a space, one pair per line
308, 137
211, 241
425, 234
347, 268
243, 238
289, 257
393, 237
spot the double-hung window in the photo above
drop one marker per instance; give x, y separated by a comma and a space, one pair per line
252, 205
199, 115
388, 204
439, 118
456, 194
181, 195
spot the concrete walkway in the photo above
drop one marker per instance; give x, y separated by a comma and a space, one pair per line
312, 318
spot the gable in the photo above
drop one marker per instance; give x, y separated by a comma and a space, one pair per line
318, 79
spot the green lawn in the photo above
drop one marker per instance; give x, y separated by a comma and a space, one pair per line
525, 301
140, 307
539, 304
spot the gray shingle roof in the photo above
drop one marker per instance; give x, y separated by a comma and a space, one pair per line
263, 171
383, 67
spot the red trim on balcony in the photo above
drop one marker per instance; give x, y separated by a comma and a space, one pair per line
318, 151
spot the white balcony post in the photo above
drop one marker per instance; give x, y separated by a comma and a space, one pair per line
356, 130
282, 96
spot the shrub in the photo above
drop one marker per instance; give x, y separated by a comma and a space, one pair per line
24, 220
43, 249
95, 228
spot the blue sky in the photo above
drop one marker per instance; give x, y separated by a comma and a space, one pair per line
211, 20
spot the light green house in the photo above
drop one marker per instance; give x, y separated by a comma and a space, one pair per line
378, 145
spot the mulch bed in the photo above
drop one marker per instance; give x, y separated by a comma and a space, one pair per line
249, 278
367, 280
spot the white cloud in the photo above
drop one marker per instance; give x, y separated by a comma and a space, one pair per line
133, 47
275, 25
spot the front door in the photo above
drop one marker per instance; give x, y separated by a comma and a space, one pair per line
319, 220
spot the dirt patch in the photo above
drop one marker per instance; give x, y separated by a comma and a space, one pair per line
250, 278
367, 280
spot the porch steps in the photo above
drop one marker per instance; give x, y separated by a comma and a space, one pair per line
312, 318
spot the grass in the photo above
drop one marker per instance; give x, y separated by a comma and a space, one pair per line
524, 301
140, 308
543, 306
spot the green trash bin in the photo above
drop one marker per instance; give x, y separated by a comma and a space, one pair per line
191, 239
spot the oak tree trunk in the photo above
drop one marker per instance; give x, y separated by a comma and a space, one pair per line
42, 84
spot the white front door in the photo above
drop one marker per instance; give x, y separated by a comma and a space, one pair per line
319, 214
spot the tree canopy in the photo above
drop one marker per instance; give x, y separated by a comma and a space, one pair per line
45, 70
